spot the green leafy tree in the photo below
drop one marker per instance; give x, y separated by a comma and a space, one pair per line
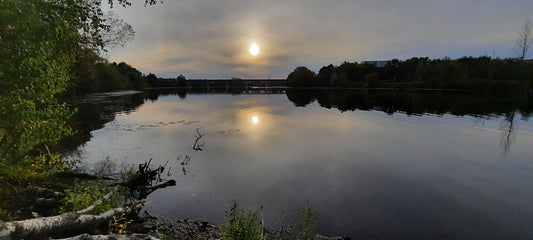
37, 50
324, 75
83, 71
371, 79
152, 80
41, 40
301, 77
181, 81
134, 76
351, 70
181, 78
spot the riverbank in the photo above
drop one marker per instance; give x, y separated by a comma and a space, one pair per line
194, 229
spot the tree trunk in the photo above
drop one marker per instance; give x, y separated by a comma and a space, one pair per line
68, 223
112, 237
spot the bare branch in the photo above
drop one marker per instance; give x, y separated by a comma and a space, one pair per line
523, 41
118, 33
198, 146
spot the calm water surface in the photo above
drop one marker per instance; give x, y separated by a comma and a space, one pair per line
370, 174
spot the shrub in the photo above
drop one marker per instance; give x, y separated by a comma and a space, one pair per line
241, 224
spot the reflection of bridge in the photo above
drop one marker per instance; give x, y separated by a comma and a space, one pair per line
244, 84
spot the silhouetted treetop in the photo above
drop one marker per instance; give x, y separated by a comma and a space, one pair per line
301, 76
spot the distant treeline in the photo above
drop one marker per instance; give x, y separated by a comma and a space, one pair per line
92, 73
464, 73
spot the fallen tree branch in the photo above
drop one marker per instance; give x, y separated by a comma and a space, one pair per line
84, 176
112, 237
71, 222
198, 146
145, 191
143, 182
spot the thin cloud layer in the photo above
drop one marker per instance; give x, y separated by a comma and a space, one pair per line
210, 39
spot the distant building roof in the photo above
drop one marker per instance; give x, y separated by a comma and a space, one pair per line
379, 63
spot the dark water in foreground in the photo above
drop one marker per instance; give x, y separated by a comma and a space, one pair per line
378, 165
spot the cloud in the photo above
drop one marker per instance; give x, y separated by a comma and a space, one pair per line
210, 39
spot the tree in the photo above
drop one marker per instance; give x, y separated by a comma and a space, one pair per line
300, 77
118, 32
522, 44
351, 70
524, 40
180, 78
37, 49
135, 77
83, 71
152, 80
40, 41
324, 75
371, 79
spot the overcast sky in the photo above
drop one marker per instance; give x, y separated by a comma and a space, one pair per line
211, 39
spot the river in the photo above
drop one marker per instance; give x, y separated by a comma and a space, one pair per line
372, 165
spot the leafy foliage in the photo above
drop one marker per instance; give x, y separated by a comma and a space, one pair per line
301, 76
307, 223
41, 40
37, 49
83, 194
241, 224
91, 73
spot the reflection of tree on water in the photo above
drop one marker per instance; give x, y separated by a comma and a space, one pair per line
300, 97
184, 163
415, 102
94, 111
508, 131
424, 102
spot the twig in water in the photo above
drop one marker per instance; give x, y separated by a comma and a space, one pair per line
198, 146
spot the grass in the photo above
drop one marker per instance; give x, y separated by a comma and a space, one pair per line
240, 224
84, 194
307, 223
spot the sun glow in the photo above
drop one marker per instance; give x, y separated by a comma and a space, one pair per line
254, 49
255, 120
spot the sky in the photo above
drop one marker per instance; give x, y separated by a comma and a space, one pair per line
204, 39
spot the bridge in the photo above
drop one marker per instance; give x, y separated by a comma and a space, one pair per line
227, 84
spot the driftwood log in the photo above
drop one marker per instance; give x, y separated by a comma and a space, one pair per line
71, 222
112, 237
81, 222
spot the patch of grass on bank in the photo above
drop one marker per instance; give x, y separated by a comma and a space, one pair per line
240, 224
307, 223
85, 193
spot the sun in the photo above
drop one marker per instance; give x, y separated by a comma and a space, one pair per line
255, 120
254, 49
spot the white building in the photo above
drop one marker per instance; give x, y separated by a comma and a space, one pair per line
377, 63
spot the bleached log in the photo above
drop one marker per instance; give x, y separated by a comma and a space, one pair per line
71, 222
134, 236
